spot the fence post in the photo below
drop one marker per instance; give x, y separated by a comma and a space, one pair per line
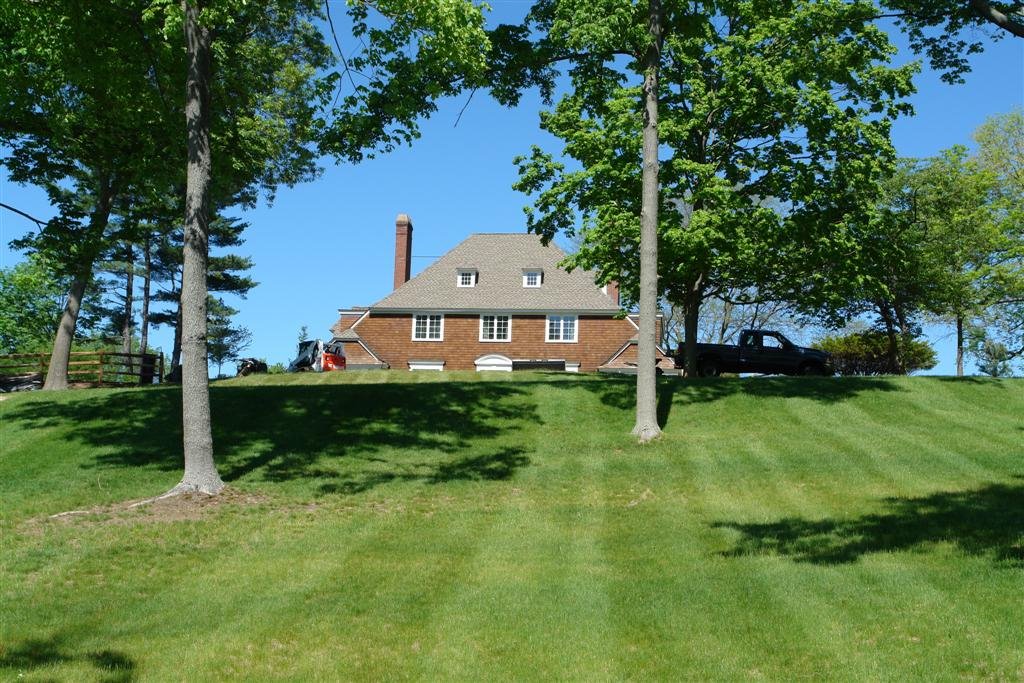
101, 368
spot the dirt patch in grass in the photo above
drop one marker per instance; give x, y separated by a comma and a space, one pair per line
195, 507
180, 508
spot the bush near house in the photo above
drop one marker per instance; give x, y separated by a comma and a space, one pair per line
867, 353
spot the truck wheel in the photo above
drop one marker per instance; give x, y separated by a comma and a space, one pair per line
709, 367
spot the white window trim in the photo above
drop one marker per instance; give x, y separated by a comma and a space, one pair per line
575, 329
493, 362
495, 341
472, 278
425, 339
420, 365
538, 273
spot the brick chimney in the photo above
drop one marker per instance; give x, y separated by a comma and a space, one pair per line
612, 290
403, 249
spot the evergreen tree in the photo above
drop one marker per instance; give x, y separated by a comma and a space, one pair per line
226, 274
225, 342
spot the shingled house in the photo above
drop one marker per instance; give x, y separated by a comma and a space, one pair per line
497, 301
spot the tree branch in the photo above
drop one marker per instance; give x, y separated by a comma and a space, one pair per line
986, 11
22, 213
337, 43
463, 110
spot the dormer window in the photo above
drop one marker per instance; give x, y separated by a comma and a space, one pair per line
533, 277
466, 278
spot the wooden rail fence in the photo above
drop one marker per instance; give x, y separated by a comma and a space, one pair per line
99, 368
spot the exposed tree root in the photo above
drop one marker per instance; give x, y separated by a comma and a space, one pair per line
71, 513
646, 433
182, 489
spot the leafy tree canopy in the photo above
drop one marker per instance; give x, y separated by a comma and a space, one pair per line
947, 32
30, 303
31, 298
774, 129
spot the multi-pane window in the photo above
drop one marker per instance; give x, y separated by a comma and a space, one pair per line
561, 328
531, 278
495, 328
467, 278
427, 327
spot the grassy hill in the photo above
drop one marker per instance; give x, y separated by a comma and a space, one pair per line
465, 526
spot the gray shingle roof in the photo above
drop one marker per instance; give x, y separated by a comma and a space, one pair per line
500, 259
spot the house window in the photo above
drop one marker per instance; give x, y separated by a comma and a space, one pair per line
429, 327
495, 328
561, 328
466, 278
436, 365
532, 278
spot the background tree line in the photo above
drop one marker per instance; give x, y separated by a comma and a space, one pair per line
944, 246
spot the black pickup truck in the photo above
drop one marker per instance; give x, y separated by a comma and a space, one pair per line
759, 351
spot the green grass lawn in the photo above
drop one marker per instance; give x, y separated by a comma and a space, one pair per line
469, 527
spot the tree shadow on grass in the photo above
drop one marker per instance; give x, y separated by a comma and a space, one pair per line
366, 433
988, 521
349, 436
619, 391
496, 466
115, 667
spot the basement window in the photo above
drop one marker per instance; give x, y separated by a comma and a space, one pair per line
436, 365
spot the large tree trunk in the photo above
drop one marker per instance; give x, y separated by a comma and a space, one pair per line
893, 352
724, 327
200, 470
147, 275
646, 377
959, 345
691, 318
905, 337
60, 356
128, 325
176, 344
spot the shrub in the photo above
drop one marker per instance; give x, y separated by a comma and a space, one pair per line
867, 353
993, 356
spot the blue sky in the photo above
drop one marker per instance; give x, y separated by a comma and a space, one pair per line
329, 244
